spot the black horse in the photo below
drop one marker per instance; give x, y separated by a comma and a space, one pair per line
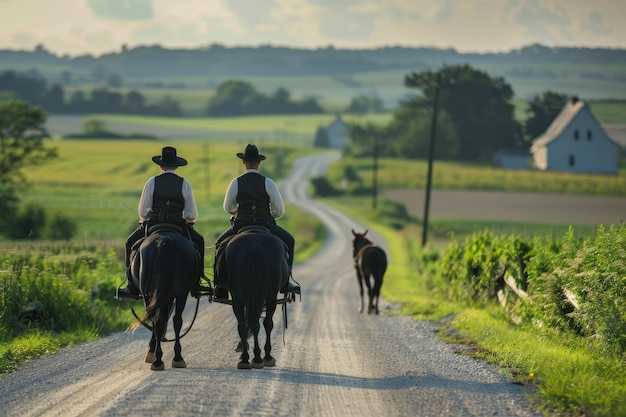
165, 267
256, 269
369, 261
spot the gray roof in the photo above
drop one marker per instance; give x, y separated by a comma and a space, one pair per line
570, 110
617, 132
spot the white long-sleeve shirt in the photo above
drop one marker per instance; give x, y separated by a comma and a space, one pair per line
277, 206
190, 211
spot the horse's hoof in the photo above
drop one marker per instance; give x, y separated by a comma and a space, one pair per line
269, 362
156, 367
179, 364
257, 365
150, 357
244, 365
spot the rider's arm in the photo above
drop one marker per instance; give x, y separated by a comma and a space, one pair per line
277, 207
190, 211
145, 201
230, 199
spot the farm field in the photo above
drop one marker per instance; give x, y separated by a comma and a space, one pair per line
514, 207
283, 129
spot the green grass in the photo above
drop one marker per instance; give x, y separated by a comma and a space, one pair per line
35, 344
570, 378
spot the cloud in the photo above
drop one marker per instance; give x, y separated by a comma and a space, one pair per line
101, 26
540, 20
122, 9
595, 24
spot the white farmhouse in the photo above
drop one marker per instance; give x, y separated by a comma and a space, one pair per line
338, 134
575, 142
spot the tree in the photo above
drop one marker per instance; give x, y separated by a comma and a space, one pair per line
541, 111
410, 129
480, 108
364, 104
135, 102
230, 97
321, 138
94, 127
22, 134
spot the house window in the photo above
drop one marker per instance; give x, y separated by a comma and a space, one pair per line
589, 135
572, 160
576, 134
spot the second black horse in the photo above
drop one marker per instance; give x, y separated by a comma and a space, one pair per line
256, 269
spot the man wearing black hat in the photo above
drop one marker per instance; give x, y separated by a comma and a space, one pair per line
166, 198
254, 199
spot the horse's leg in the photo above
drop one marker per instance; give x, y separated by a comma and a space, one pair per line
359, 279
257, 361
366, 277
378, 281
159, 325
178, 361
268, 325
152, 346
244, 358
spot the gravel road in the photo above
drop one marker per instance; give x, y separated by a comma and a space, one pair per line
333, 361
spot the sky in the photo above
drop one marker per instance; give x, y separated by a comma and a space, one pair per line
79, 27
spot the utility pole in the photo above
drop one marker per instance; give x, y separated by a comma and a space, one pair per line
433, 81
375, 168
205, 170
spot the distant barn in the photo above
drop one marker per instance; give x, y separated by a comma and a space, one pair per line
575, 142
335, 135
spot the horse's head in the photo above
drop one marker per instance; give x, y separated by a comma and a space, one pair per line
358, 241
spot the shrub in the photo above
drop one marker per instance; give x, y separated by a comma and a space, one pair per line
60, 227
575, 285
29, 222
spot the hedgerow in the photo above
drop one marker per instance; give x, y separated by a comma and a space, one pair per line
576, 285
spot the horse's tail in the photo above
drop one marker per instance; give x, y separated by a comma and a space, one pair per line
257, 276
162, 281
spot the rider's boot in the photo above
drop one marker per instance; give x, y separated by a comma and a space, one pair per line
218, 290
130, 291
199, 290
290, 287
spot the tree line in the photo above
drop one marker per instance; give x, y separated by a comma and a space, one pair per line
52, 98
232, 98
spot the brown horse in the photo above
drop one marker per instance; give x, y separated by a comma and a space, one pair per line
369, 261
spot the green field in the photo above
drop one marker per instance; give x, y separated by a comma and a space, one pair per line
98, 182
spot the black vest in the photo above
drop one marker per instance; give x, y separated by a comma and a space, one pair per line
253, 202
167, 201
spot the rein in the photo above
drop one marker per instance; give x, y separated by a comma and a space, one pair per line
149, 327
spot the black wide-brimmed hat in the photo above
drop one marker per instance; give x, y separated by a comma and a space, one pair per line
168, 158
251, 154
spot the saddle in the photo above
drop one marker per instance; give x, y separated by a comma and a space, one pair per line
156, 228
220, 268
